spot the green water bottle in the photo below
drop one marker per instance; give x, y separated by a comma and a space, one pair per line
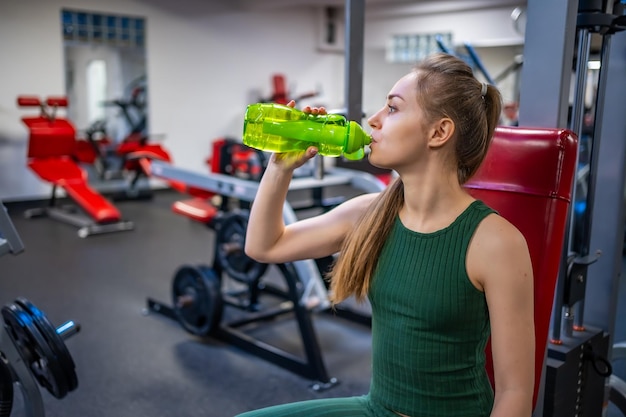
278, 128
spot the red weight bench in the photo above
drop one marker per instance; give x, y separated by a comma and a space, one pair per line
51, 156
527, 177
200, 208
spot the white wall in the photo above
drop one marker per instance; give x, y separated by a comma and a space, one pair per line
203, 66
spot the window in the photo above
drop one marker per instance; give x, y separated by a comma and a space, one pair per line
85, 27
413, 48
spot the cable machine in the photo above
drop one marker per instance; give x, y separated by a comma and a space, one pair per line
578, 366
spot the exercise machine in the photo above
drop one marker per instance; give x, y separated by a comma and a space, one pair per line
579, 365
51, 147
280, 93
505, 182
128, 159
32, 351
587, 293
527, 177
202, 295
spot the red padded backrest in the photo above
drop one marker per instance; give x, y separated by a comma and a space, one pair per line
50, 138
527, 177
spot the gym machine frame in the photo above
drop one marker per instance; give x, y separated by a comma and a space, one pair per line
577, 366
306, 291
12, 361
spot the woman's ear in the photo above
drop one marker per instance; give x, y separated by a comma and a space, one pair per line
440, 132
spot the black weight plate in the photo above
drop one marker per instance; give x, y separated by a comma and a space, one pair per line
230, 243
35, 351
197, 299
55, 342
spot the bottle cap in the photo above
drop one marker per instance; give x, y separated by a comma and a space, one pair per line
356, 140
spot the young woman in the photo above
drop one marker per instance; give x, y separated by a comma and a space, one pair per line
443, 271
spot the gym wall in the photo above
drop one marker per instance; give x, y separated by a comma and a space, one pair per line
203, 62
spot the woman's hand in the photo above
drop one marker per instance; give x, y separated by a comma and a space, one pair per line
293, 160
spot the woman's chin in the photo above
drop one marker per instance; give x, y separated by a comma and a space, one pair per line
375, 162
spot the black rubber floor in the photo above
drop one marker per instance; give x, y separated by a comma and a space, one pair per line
132, 364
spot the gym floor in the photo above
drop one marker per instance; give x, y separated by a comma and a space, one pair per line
132, 363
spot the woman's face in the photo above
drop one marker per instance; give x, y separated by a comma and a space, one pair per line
399, 128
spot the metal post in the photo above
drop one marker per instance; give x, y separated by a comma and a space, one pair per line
548, 56
355, 18
545, 76
608, 216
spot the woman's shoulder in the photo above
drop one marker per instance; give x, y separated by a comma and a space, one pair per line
360, 202
496, 233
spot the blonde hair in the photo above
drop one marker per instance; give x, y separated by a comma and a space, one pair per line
446, 87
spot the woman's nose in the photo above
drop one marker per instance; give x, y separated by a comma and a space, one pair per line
372, 121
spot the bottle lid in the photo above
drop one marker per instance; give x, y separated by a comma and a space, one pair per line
357, 139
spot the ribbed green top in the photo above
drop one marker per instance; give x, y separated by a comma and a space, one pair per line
430, 325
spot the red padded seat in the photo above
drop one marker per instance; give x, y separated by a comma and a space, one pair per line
527, 177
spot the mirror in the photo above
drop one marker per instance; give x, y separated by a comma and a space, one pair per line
105, 72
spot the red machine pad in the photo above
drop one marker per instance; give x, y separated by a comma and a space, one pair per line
57, 101
91, 201
28, 101
197, 209
528, 177
65, 173
50, 138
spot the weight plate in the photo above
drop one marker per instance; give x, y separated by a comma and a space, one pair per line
230, 243
55, 342
197, 299
35, 351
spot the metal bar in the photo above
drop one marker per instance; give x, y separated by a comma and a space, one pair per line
545, 82
355, 18
593, 168
548, 56
479, 63
607, 234
443, 46
68, 329
562, 317
584, 41
9, 238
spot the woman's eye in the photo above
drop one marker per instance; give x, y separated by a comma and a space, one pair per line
391, 109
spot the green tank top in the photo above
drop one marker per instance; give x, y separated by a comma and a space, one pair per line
430, 325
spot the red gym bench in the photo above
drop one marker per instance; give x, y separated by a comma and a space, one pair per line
528, 177
51, 156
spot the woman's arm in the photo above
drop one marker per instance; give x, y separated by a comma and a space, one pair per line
499, 259
269, 240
